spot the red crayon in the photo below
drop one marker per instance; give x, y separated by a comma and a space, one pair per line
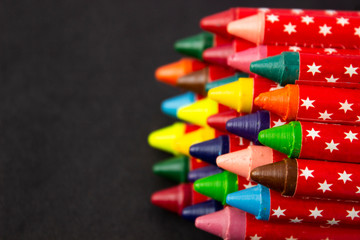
310, 103
311, 178
308, 30
218, 121
175, 199
217, 23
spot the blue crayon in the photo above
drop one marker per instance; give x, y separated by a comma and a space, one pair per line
171, 106
192, 212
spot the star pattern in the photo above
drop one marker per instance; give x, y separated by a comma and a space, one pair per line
331, 79
357, 31
353, 213
306, 173
330, 50
314, 69
342, 21
255, 237
278, 212
351, 136
351, 70
272, 18
278, 123
346, 106
313, 134
296, 220
249, 185
325, 30
333, 222
325, 115
295, 48
307, 103
289, 28
315, 213
358, 189
332, 145
344, 177
324, 186
307, 20
291, 238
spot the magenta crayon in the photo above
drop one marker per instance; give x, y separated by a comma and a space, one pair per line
217, 23
242, 60
311, 178
269, 205
310, 103
243, 161
308, 30
232, 223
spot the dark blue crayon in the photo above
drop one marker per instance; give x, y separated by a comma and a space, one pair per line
192, 212
203, 172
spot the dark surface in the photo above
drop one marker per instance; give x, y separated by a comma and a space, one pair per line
77, 101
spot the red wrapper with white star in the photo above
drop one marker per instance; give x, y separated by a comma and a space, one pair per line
311, 30
331, 180
243, 183
331, 142
237, 143
330, 105
276, 121
272, 50
263, 230
324, 212
329, 70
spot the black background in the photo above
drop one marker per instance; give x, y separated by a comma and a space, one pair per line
77, 101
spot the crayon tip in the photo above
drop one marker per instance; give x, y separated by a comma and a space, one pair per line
195, 81
175, 169
164, 138
173, 199
224, 81
217, 22
170, 106
198, 112
203, 172
249, 28
242, 60
217, 186
192, 212
254, 200
209, 150
236, 95
218, 55
250, 125
182, 144
285, 138
218, 121
194, 46
229, 223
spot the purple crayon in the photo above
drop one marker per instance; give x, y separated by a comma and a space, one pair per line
203, 172
192, 212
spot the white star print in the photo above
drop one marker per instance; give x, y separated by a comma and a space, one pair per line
249, 185
314, 69
325, 30
289, 28
351, 136
255, 237
306, 173
331, 145
345, 106
296, 220
313, 134
333, 222
324, 186
278, 123
357, 31
358, 189
345, 176
351, 70
325, 115
352, 213
330, 12
342, 21
278, 212
315, 213
307, 103
272, 18
307, 20
358, 120
294, 49
330, 50
291, 238
331, 79
297, 10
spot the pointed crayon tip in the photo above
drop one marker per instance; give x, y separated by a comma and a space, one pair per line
194, 46
198, 112
183, 144
194, 211
170, 106
229, 223
218, 55
224, 81
203, 172
217, 22
217, 186
164, 138
175, 169
173, 199
209, 150
195, 81
218, 121
249, 28
242, 60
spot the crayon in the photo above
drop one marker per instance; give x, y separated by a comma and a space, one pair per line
219, 120
209, 150
192, 212
197, 80
310, 103
332, 142
241, 162
179, 168
198, 112
203, 172
311, 178
218, 186
165, 138
224, 81
242, 60
170, 73
310, 30
171, 106
269, 205
311, 69
240, 95
175, 199
217, 23
195, 45
249, 126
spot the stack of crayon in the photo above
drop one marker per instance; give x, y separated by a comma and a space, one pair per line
267, 142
